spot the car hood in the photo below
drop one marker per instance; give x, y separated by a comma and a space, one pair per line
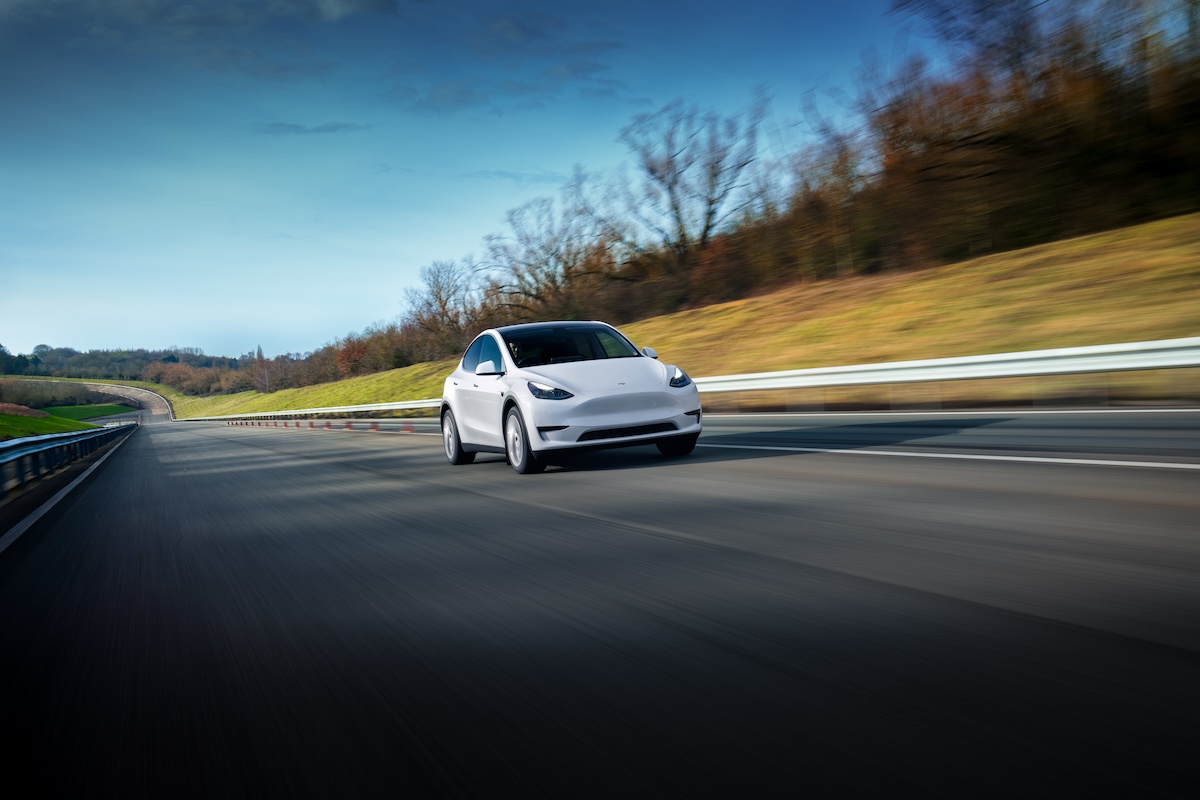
602, 375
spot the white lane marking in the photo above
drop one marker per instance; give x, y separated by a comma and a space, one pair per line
396, 433
1087, 462
15, 532
361, 430
960, 413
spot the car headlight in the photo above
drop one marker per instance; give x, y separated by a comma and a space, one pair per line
680, 379
543, 392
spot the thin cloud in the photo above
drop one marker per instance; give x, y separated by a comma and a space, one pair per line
292, 129
527, 31
538, 57
535, 36
604, 89
210, 15
336, 9
532, 37
447, 97
520, 178
255, 64
575, 71
594, 49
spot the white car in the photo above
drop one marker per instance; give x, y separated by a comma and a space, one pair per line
527, 390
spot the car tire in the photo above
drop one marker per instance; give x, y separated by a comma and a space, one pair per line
452, 443
516, 445
677, 446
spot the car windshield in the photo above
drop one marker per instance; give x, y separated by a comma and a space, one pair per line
558, 344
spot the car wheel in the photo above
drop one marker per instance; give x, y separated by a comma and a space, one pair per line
454, 450
677, 445
516, 445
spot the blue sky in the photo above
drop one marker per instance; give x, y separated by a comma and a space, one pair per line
235, 173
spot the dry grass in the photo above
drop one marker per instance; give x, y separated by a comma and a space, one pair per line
12, 409
1134, 284
417, 382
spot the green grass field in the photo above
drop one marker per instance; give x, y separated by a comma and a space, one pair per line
14, 427
86, 412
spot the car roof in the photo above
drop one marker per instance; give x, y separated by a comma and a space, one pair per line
574, 323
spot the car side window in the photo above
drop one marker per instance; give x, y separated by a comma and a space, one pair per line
471, 358
490, 352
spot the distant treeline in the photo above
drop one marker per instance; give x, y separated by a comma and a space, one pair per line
1054, 118
47, 394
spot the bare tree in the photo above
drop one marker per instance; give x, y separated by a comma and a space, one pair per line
554, 257
446, 307
693, 167
1004, 32
262, 373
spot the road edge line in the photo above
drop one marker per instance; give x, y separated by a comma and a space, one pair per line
1078, 462
962, 412
15, 532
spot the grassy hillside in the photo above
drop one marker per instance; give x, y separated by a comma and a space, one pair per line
14, 426
417, 382
86, 412
1133, 284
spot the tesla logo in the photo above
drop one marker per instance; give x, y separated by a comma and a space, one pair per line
620, 384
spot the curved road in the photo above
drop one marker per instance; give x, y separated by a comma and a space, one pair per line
152, 407
939, 605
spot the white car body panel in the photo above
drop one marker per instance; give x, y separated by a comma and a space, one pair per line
482, 404
615, 402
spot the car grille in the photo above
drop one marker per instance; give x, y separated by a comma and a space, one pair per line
636, 430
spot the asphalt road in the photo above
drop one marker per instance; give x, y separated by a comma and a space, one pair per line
944, 605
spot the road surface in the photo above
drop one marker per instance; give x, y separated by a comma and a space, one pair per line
940, 605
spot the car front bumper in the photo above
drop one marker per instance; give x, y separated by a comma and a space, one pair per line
612, 421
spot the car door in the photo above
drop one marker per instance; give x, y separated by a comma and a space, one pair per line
483, 398
459, 390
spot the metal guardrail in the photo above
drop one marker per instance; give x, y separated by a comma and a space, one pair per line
1162, 354
32, 457
324, 411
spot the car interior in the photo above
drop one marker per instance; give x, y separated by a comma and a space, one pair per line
561, 346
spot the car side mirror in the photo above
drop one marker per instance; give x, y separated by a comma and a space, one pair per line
649, 352
488, 368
